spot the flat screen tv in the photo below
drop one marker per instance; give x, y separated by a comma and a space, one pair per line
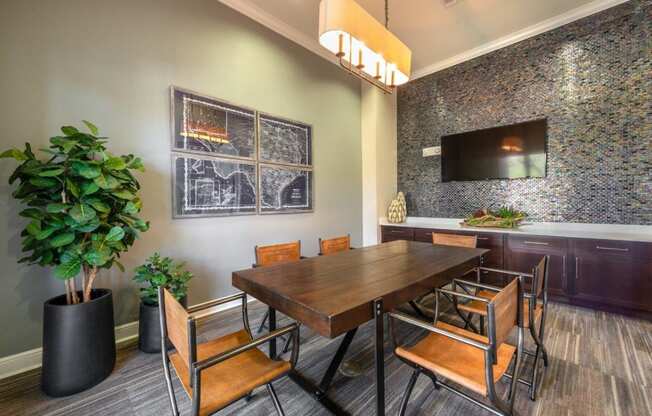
507, 152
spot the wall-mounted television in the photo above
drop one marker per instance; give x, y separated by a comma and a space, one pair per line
507, 152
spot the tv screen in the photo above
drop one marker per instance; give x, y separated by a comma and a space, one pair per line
507, 152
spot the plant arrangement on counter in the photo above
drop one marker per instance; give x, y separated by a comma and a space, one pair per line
158, 272
504, 217
82, 206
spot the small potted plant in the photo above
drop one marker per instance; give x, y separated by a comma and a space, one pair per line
82, 208
158, 272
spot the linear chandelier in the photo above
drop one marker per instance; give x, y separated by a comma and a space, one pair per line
363, 45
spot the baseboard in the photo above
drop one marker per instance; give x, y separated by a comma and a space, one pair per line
31, 359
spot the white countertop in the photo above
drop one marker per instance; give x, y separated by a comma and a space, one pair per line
619, 232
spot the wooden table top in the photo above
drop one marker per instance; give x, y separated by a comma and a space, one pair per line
334, 294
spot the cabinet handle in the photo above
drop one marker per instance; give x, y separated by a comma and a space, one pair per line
577, 268
483, 238
536, 243
396, 231
612, 248
563, 272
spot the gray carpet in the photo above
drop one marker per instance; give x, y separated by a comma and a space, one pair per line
601, 364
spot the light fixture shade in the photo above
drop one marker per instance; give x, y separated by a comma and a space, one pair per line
348, 31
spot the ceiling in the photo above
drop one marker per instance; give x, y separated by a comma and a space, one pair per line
439, 36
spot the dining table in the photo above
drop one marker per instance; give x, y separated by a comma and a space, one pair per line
336, 294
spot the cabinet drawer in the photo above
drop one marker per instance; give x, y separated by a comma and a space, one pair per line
536, 243
604, 248
423, 234
396, 233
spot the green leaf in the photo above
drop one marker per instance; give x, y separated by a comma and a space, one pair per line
33, 213
46, 258
115, 163
115, 234
86, 170
131, 208
98, 256
15, 154
66, 144
34, 227
137, 164
89, 188
72, 187
106, 182
98, 205
68, 270
91, 127
82, 213
123, 194
69, 130
61, 240
56, 208
52, 172
91, 226
45, 233
43, 182
120, 265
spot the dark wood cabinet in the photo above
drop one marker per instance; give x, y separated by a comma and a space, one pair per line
523, 252
602, 274
612, 273
396, 233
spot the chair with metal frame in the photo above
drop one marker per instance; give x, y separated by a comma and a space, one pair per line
454, 240
273, 254
535, 307
334, 245
472, 361
217, 373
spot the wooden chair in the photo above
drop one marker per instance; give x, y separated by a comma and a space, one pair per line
334, 245
469, 241
455, 240
472, 361
273, 254
535, 306
217, 373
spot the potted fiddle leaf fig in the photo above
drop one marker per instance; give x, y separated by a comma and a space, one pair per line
82, 206
158, 272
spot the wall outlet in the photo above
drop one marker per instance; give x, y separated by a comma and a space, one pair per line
431, 151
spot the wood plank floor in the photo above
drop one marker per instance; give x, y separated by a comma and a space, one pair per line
601, 364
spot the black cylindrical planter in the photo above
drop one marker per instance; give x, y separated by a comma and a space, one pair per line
78, 343
149, 328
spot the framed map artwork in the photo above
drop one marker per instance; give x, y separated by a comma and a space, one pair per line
230, 160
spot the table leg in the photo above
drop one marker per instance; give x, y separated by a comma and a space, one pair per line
320, 392
380, 357
272, 328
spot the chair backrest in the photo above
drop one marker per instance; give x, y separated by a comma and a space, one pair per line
503, 312
278, 253
456, 240
334, 245
540, 277
176, 325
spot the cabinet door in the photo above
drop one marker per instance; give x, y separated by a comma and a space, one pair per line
524, 252
610, 273
389, 233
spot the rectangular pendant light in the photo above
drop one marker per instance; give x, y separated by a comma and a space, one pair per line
363, 45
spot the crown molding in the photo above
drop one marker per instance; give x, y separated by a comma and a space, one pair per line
530, 31
277, 25
256, 13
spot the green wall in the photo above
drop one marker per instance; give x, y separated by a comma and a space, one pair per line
113, 62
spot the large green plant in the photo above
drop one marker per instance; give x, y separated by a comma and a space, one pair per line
83, 206
162, 271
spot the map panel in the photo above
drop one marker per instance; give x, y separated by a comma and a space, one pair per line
206, 125
285, 142
213, 186
284, 189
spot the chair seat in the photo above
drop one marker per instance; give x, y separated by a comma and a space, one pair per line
480, 308
232, 379
458, 362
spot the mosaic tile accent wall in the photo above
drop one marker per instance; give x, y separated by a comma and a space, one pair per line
592, 79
